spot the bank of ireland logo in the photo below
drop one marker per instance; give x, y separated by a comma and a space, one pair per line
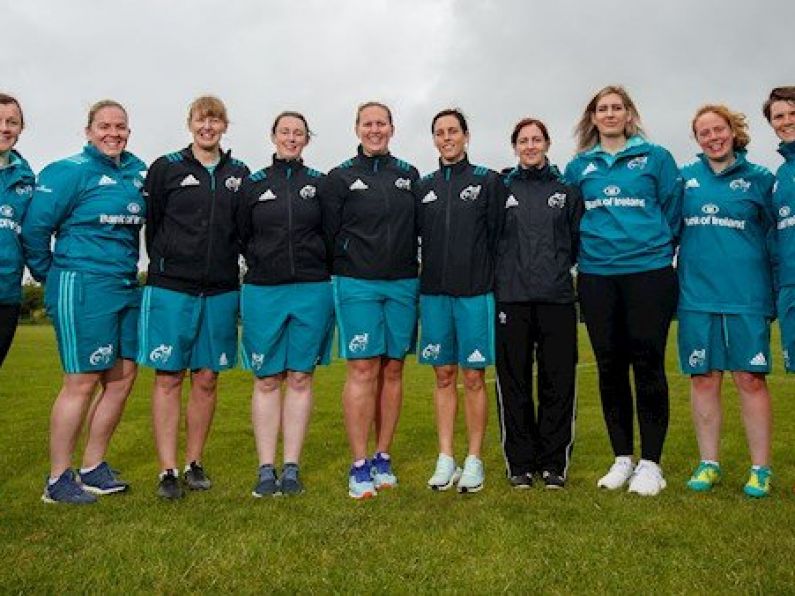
7, 211
470, 193
740, 184
612, 190
308, 192
134, 208
697, 358
161, 353
784, 211
359, 342
233, 183
557, 200
710, 209
403, 183
431, 351
101, 355
257, 360
637, 163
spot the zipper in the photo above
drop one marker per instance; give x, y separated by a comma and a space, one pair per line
447, 176
210, 225
290, 221
387, 203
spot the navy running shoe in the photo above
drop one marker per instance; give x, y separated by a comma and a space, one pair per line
290, 482
267, 483
66, 490
102, 480
381, 471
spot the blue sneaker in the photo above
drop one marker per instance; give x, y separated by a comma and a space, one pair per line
102, 480
267, 484
360, 482
66, 490
291, 482
381, 471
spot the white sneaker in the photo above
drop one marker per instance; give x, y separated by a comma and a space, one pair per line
473, 476
618, 474
647, 480
446, 473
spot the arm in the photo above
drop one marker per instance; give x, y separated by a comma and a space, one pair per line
332, 200
670, 192
498, 194
155, 196
576, 209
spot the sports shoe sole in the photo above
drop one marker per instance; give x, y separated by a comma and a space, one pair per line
463, 490
362, 496
104, 491
256, 495
453, 480
49, 501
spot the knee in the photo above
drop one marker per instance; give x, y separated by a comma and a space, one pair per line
748, 382
169, 382
445, 376
299, 382
79, 386
474, 380
363, 371
393, 370
205, 380
705, 384
268, 384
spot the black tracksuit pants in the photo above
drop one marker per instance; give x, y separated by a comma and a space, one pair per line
547, 333
628, 317
9, 317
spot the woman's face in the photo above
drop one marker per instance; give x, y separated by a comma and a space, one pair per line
611, 116
715, 137
10, 126
290, 137
108, 132
782, 119
207, 131
374, 130
449, 138
531, 147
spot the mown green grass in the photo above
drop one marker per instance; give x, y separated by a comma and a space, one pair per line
407, 540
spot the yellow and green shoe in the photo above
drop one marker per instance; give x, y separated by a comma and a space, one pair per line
704, 477
758, 484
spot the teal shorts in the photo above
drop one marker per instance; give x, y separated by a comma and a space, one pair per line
95, 318
457, 330
376, 317
179, 331
286, 327
785, 306
714, 341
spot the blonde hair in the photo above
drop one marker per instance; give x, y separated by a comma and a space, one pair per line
101, 105
208, 105
586, 133
735, 120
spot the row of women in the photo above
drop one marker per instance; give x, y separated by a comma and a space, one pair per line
344, 246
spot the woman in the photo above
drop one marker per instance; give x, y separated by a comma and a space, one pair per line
369, 213
536, 315
286, 301
628, 289
458, 207
16, 188
190, 303
725, 312
92, 204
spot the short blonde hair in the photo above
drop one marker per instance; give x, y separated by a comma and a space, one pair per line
208, 105
101, 105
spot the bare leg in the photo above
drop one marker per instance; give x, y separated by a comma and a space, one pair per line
266, 415
200, 411
67, 418
390, 400
476, 409
295, 414
757, 415
166, 404
358, 402
705, 405
109, 406
446, 398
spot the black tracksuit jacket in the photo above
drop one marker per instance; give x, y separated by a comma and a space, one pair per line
458, 209
539, 237
279, 220
191, 235
368, 211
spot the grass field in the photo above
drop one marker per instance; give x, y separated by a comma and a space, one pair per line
407, 540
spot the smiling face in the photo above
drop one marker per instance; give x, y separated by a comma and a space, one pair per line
290, 137
374, 130
108, 131
531, 147
10, 126
715, 137
450, 139
611, 116
782, 119
207, 130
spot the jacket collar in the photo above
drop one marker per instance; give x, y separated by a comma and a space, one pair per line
17, 169
636, 145
125, 159
456, 168
285, 165
787, 150
739, 163
544, 173
224, 156
371, 162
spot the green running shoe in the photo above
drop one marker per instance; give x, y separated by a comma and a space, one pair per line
758, 484
704, 477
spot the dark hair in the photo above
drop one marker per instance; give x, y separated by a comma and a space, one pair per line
373, 104
778, 94
456, 113
291, 114
7, 100
529, 122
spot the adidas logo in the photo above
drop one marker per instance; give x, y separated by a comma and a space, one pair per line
758, 360
476, 356
511, 202
189, 180
692, 183
430, 197
106, 181
267, 196
358, 185
588, 169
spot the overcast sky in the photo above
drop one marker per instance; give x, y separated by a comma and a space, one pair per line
497, 60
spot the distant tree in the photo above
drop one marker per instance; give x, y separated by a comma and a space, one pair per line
33, 303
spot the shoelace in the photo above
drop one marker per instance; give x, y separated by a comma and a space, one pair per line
290, 473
